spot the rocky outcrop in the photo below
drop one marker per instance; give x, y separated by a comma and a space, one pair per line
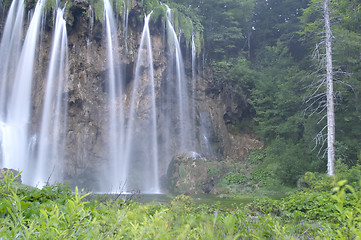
188, 174
225, 112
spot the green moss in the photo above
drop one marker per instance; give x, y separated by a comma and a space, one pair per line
6, 3
198, 41
69, 4
213, 171
159, 12
49, 5
182, 171
120, 6
175, 21
99, 10
149, 5
186, 25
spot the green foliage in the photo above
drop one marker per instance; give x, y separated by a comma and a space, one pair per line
303, 215
262, 176
236, 75
149, 5
198, 41
317, 181
181, 202
277, 95
159, 11
49, 5
256, 156
226, 25
186, 25
349, 209
311, 206
187, 21
236, 178
283, 163
6, 3
182, 171
351, 174
98, 8
213, 172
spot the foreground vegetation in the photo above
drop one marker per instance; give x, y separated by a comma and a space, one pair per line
56, 213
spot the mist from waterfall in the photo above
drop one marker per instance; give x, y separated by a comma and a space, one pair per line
49, 164
15, 138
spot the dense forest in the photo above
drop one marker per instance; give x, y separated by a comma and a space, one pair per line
271, 56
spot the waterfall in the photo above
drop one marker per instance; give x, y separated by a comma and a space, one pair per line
139, 124
52, 135
205, 132
116, 116
193, 86
194, 70
142, 144
15, 138
10, 49
183, 119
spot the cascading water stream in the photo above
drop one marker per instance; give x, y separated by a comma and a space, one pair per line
142, 135
10, 49
184, 121
114, 169
15, 139
49, 162
194, 83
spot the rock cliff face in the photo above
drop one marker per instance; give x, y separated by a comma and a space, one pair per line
87, 92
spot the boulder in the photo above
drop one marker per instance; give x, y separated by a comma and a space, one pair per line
189, 174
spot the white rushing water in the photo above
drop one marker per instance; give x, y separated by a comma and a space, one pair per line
15, 138
182, 95
10, 49
51, 149
142, 135
113, 172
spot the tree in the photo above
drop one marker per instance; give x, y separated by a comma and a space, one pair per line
322, 97
330, 98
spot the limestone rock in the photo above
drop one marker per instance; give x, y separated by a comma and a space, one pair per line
190, 174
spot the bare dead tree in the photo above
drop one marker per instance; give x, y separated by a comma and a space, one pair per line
322, 97
330, 93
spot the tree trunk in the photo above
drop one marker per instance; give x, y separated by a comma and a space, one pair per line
330, 98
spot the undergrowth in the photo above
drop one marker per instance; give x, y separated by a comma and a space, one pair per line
55, 212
